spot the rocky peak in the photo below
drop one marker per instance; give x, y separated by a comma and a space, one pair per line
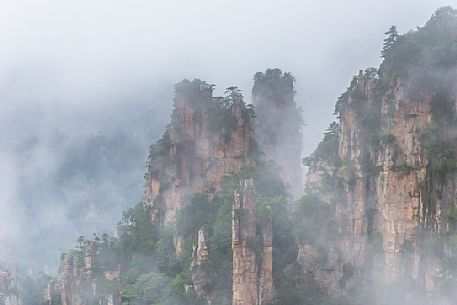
245, 290
208, 138
387, 161
278, 125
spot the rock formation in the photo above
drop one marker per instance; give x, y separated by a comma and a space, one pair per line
200, 276
208, 140
245, 290
79, 280
385, 173
278, 125
266, 286
377, 223
203, 143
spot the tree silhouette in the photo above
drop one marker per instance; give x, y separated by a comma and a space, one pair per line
392, 36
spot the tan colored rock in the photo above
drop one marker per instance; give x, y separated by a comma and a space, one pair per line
266, 288
245, 290
390, 191
67, 280
201, 156
278, 126
200, 276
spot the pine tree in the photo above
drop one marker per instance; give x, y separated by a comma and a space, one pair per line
392, 36
233, 94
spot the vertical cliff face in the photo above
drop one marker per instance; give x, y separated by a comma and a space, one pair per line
67, 280
402, 162
389, 163
200, 276
203, 143
252, 277
379, 199
266, 285
208, 139
245, 290
278, 125
181, 226
383, 161
204, 230
84, 281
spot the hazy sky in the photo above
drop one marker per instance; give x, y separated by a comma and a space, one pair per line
90, 51
77, 67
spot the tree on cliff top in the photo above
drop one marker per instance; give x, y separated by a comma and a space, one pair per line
428, 49
392, 36
274, 84
233, 95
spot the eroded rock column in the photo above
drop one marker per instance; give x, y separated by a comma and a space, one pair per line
245, 290
266, 289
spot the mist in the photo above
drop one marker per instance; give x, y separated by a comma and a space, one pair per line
75, 74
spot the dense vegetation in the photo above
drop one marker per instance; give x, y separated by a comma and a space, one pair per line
275, 87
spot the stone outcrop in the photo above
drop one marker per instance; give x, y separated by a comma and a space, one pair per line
200, 275
245, 290
386, 194
266, 287
79, 278
202, 144
208, 138
402, 164
278, 125
50, 295
67, 280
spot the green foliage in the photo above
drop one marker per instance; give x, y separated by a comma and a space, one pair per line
441, 150
421, 184
354, 95
247, 171
162, 146
267, 181
327, 150
387, 138
198, 213
319, 225
193, 90
140, 234
392, 36
442, 108
341, 104
147, 288
369, 118
274, 89
31, 289
370, 73
233, 95
404, 169
220, 240
298, 287
222, 117
274, 84
433, 45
